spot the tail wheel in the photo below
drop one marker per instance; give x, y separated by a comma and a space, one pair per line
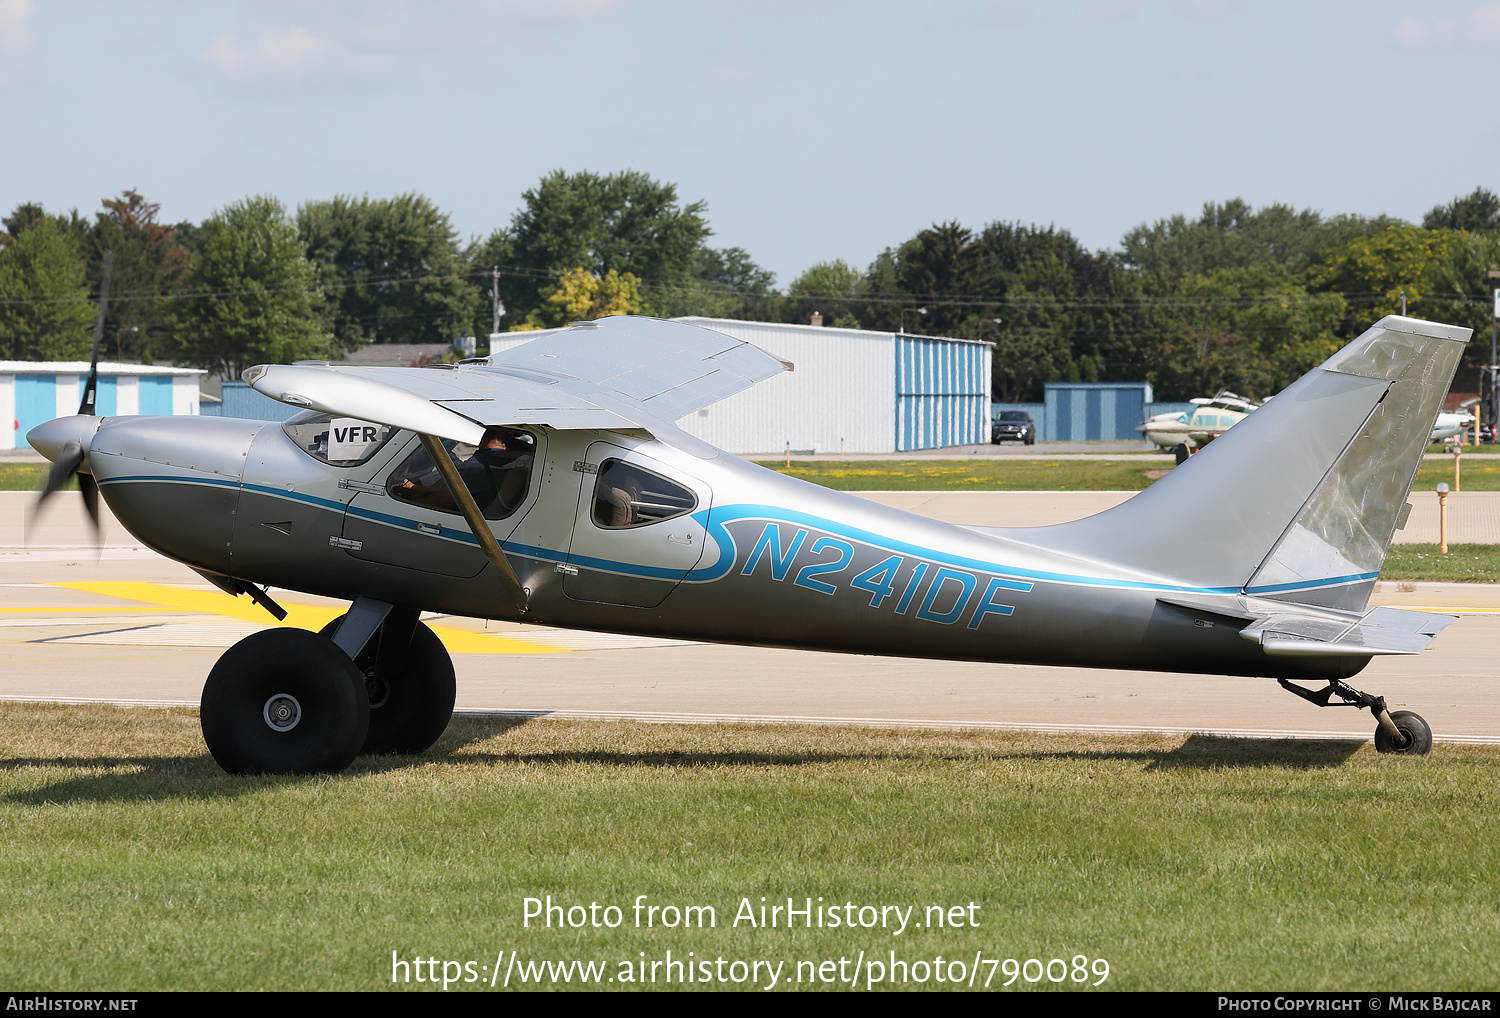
284, 701
410, 708
1413, 729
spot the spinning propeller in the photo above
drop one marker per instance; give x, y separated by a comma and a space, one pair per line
70, 457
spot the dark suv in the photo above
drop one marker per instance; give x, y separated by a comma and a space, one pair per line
1012, 425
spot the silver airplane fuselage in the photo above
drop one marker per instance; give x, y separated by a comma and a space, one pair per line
761, 558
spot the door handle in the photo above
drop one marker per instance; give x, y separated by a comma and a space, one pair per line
680, 538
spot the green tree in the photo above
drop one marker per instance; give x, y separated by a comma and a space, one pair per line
835, 289
1253, 330
1477, 213
1374, 271
724, 283
1231, 235
624, 221
149, 265
45, 313
581, 296
252, 296
392, 268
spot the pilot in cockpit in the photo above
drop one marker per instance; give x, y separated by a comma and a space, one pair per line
497, 474
498, 471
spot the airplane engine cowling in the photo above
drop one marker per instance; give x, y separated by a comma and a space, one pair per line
174, 482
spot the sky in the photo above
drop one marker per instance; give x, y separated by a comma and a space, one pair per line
814, 130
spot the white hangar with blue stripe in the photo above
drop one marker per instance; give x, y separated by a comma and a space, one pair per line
850, 390
32, 392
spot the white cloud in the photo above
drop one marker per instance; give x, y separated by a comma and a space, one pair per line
290, 52
1478, 27
15, 33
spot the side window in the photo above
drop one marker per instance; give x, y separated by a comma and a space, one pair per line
626, 495
497, 474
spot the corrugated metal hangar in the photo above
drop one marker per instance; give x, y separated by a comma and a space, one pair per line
32, 392
851, 391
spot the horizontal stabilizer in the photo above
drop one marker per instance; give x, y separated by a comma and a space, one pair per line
1379, 631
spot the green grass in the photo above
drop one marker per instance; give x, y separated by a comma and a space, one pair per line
27, 476
129, 862
1470, 563
1057, 473
1478, 473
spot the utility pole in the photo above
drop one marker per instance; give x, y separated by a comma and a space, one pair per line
495, 302
1494, 364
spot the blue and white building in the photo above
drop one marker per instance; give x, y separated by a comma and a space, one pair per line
32, 392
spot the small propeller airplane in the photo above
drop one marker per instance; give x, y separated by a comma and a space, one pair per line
550, 484
1210, 417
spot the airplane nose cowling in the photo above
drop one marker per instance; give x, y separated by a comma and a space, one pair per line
174, 482
49, 438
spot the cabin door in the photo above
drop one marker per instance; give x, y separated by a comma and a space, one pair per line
635, 536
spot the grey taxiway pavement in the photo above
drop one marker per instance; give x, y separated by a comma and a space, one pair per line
122, 624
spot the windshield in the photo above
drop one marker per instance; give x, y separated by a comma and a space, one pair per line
1014, 415
337, 441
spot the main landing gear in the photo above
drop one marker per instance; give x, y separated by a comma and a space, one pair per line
287, 701
1398, 732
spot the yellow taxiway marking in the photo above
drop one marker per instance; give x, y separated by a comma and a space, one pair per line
300, 616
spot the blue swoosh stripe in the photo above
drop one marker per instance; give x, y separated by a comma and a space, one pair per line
1332, 581
719, 516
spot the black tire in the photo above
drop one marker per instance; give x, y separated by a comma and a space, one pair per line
1413, 727
1182, 452
284, 701
1031, 440
410, 712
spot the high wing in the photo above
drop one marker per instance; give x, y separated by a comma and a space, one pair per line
617, 373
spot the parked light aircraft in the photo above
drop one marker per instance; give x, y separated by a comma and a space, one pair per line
1209, 418
1448, 425
549, 484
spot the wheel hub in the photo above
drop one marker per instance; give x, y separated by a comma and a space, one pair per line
378, 688
282, 712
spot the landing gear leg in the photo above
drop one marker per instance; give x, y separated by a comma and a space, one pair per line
410, 682
1398, 732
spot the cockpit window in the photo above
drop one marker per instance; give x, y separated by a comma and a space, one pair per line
626, 495
337, 441
497, 473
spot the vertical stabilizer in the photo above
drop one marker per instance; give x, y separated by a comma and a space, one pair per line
1298, 501
1333, 551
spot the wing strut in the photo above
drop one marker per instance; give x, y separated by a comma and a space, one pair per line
475, 518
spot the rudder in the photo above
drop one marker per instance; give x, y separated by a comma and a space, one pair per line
1299, 501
